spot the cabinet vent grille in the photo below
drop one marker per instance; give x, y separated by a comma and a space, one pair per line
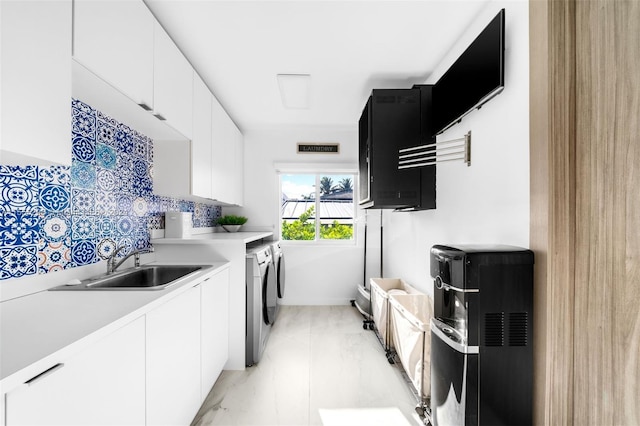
494, 329
518, 322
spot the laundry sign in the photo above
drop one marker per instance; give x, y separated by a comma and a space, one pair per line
318, 148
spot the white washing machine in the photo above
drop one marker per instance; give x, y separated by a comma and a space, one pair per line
261, 301
278, 261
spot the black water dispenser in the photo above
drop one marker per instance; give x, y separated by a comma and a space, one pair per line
481, 335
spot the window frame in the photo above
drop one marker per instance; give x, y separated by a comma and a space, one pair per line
318, 173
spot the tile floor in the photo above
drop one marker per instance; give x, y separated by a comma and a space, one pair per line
320, 367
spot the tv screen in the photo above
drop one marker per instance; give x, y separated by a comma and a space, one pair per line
474, 78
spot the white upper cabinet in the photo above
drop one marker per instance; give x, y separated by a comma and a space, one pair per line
238, 166
227, 152
35, 82
114, 39
201, 143
173, 83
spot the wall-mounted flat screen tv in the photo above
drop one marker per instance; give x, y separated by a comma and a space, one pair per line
474, 78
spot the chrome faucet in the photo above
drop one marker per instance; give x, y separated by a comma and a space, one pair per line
112, 265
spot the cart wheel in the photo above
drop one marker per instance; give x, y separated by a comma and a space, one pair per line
364, 325
353, 303
371, 326
390, 359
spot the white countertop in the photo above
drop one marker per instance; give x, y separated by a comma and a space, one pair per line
42, 329
215, 237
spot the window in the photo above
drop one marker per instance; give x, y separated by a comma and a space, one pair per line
317, 207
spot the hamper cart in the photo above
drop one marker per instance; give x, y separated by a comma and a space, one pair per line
410, 321
381, 288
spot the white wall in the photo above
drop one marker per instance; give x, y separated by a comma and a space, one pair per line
487, 202
316, 274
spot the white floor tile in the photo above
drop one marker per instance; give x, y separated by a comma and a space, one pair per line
319, 366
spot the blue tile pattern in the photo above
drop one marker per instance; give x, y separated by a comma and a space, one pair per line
60, 217
53, 256
19, 228
105, 156
17, 262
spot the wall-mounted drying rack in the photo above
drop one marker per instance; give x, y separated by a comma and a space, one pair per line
438, 152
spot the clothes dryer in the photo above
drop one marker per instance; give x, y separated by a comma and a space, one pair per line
261, 301
278, 261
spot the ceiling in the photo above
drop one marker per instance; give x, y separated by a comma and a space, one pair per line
348, 47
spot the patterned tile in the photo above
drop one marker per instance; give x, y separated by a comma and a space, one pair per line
124, 143
125, 225
186, 206
106, 203
16, 262
106, 179
140, 168
105, 156
153, 203
83, 252
55, 227
141, 227
83, 175
83, 227
150, 151
83, 201
19, 228
79, 106
106, 247
54, 256
142, 186
56, 175
140, 146
155, 221
140, 207
142, 243
125, 204
128, 245
83, 149
59, 217
19, 188
83, 124
55, 198
106, 132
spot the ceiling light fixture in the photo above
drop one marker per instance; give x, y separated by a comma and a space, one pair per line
295, 90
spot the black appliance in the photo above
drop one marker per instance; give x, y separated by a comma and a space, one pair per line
481, 335
474, 78
393, 119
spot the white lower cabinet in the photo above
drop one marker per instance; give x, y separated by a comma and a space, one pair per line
156, 370
101, 385
173, 360
214, 332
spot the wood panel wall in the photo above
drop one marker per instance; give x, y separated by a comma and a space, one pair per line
585, 210
607, 309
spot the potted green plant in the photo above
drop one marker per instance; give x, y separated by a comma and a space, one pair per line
231, 223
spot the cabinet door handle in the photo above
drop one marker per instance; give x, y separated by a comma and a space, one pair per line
45, 373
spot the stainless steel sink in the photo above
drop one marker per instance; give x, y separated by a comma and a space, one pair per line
150, 277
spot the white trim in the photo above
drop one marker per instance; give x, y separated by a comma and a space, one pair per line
316, 168
317, 174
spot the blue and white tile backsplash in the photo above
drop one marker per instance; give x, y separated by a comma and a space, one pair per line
60, 217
